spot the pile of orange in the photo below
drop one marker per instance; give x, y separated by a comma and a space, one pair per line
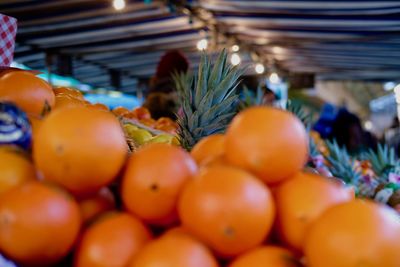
242, 199
142, 115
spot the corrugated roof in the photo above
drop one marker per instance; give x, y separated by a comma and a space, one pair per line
335, 39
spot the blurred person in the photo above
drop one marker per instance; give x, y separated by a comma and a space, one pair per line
269, 97
348, 131
392, 135
162, 98
325, 122
161, 104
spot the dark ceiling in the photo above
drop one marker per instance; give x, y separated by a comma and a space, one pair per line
91, 40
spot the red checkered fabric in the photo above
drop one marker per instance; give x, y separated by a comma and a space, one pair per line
8, 30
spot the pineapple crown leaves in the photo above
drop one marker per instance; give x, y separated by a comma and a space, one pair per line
383, 161
298, 110
312, 148
306, 118
208, 99
341, 165
250, 99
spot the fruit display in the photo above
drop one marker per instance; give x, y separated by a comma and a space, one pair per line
374, 175
241, 196
141, 129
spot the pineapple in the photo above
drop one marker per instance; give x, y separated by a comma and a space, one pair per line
250, 100
298, 110
383, 162
208, 100
316, 159
341, 165
344, 167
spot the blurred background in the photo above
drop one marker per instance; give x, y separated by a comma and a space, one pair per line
330, 56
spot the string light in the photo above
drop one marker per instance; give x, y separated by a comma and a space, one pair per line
202, 44
388, 86
235, 59
274, 78
235, 48
397, 94
368, 125
119, 4
260, 68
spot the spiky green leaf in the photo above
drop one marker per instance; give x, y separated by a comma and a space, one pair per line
208, 100
383, 161
341, 165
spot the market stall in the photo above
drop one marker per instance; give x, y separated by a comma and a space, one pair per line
218, 160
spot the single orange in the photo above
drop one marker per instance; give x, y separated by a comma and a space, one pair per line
153, 180
171, 129
64, 100
228, 209
166, 125
140, 113
266, 256
39, 224
96, 204
112, 241
68, 91
165, 121
148, 122
353, 234
120, 111
269, 142
80, 148
174, 251
15, 168
214, 161
101, 106
301, 200
36, 122
208, 147
27, 91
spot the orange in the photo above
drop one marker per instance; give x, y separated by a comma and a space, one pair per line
354, 234
266, 256
269, 142
174, 251
96, 204
140, 113
39, 224
299, 202
27, 91
80, 148
68, 91
165, 121
15, 168
166, 125
148, 122
112, 241
214, 161
120, 111
228, 209
171, 129
64, 100
154, 178
36, 122
100, 106
208, 147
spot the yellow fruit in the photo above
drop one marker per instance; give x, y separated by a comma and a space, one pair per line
162, 138
175, 141
130, 128
140, 136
